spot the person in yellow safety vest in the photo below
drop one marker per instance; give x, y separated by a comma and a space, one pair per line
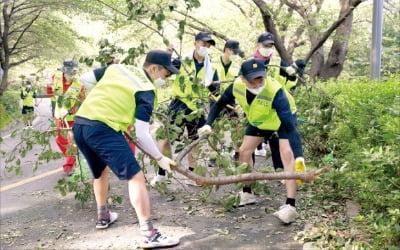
227, 67
268, 111
68, 93
286, 76
191, 91
120, 98
28, 96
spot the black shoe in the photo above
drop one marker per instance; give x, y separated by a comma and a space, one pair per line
212, 163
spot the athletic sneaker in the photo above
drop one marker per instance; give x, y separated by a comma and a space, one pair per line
287, 213
158, 240
158, 178
111, 217
68, 169
212, 163
246, 198
260, 152
300, 166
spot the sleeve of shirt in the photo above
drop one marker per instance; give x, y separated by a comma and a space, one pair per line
282, 107
226, 98
144, 105
88, 80
99, 73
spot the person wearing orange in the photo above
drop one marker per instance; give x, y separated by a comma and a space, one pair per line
67, 92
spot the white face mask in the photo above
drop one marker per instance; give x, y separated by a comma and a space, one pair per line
28, 86
233, 57
266, 52
159, 82
203, 51
257, 90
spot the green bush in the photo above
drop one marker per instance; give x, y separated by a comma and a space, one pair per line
9, 107
358, 123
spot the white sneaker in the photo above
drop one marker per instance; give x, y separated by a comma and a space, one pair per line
191, 182
246, 198
287, 213
158, 178
261, 152
104, 223
158, 240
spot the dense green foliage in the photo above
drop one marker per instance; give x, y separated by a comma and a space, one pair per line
9, 107
357, 124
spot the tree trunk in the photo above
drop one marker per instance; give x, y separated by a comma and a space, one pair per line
337, 55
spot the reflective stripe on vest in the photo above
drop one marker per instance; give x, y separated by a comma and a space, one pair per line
112, 100
28, 100
184, 88
259, 113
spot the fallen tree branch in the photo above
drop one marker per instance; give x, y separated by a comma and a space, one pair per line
224, 180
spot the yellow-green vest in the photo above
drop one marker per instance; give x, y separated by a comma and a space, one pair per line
273, 72
28, 101
183, 86
233, 72
65, 100
112, 100
259, 113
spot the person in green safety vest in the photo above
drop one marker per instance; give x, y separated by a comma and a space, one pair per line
227, 67
122, 97
267, 111
286, 75
28, 96
191, 91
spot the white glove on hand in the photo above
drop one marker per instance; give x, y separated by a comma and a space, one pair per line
63, 113
290, 70
165, 163
205, 130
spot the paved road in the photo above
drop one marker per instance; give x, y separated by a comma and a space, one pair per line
29, 182
34, 215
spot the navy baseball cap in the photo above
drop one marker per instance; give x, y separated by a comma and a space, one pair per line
266, 38
204, 36
162, 58
252, 69
233, 45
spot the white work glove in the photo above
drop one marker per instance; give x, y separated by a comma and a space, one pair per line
291, 70
165, 163
205, 130
63, 113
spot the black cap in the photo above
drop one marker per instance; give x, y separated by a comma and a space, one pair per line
233, 45
266, 38
69, 66
204, 36
252, 68
162, 58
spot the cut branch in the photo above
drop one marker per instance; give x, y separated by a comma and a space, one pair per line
224, 180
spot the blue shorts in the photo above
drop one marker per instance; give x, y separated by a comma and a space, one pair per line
103, 146
178, 107
26, 110
254, 131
